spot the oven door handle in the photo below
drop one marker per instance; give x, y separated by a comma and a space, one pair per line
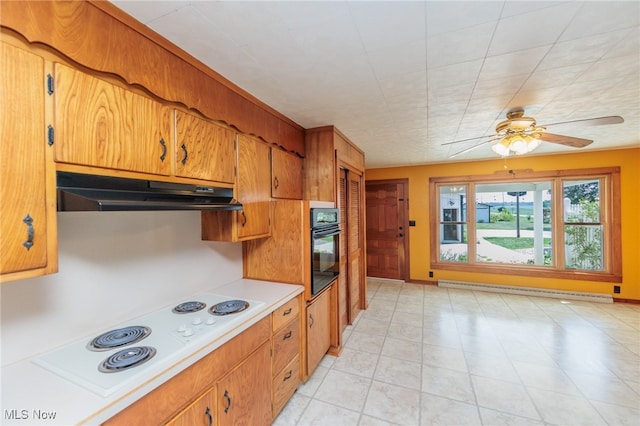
325, 232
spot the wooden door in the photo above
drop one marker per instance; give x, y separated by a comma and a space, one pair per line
254, 188
286, 175
352, 293
355, 245
386, 208
244, 394
318, 329
22, 151
204, 150
103, 125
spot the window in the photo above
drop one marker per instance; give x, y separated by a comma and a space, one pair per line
563, 224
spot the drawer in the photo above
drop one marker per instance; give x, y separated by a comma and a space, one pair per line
286, 344
285, 313
285, 384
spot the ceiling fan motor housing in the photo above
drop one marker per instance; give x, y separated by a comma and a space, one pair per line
516, 122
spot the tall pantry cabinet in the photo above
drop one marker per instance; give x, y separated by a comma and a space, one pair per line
334, 171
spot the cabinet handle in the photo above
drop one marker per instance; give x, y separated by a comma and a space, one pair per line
288, 335
288, 376
287, 312
275, 182
28, 220
164, 149
244, 219
310, 320
228, 400
186, 154
209, 417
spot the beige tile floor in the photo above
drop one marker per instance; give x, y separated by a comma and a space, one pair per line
423, 355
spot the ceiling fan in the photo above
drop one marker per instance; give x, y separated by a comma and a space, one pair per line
519, 134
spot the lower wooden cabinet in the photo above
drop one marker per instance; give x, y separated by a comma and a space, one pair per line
247, 381
286, 353
318, 324
244, 394
201, 412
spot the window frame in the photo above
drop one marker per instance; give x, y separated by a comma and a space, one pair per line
610, 204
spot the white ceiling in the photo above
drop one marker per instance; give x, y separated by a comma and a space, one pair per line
400, 78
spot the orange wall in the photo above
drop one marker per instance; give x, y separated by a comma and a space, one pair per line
627, 159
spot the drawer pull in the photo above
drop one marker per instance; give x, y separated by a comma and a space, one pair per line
186, 154
209, 416
287, 312
28, 220
287, 336
288, 376
228, 401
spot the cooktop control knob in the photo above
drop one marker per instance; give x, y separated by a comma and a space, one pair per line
211, 321
182, 328
196, 321
188, 332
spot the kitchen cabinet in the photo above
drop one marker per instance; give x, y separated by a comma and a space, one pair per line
318, 325
286, 174
198, 387
200, 413
334, 171
27, 189
253, 190
103, 125
286, 353
204, 150
244, 394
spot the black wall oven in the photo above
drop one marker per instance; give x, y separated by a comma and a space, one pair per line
325, 248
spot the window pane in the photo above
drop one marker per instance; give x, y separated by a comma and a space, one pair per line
453, 229
455, 249
514, 223
581, 201
583, 247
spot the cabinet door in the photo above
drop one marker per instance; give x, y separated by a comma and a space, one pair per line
199, 413
103, 125
204, 150
318, 329
254, 189
244, 395
23, 224
286, 175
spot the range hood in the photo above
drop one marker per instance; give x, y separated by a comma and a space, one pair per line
83, 192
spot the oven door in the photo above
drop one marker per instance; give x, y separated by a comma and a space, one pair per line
325, 257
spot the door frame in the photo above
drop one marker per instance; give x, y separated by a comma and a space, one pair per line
404, 182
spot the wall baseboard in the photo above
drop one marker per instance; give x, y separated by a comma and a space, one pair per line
528, 291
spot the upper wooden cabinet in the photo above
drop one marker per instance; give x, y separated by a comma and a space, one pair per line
103, 125
204, 150
28, 225
286, 175
253, 190
327, 150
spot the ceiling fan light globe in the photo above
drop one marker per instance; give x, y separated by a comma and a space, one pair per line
533, 144
518, 145
502, 148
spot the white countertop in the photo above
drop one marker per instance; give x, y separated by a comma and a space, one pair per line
33, 395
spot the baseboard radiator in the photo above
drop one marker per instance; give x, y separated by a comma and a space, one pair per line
528, 291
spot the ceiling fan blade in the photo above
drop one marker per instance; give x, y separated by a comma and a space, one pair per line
467, 140
471, 148
565, 140
599, 121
